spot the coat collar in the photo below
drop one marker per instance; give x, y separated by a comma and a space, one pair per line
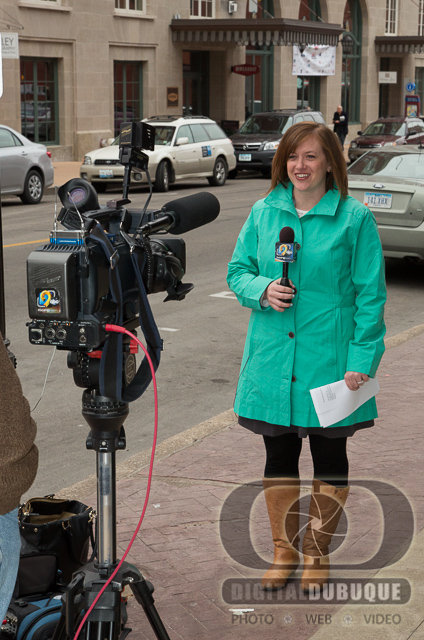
283, 199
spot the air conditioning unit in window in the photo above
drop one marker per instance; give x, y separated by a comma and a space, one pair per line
232, 7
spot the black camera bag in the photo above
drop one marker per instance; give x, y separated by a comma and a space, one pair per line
53, 527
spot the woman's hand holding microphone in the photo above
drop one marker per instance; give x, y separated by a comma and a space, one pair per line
280, 298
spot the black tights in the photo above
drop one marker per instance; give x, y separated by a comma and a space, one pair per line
328, 454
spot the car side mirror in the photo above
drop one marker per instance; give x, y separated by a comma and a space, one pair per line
359, 133
181, 141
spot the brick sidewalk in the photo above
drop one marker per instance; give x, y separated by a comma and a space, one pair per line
186, 539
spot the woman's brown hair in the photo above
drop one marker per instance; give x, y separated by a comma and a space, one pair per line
330, 144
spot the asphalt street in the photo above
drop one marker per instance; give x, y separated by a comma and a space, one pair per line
203, 335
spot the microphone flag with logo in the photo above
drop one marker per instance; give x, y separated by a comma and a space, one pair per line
285, 252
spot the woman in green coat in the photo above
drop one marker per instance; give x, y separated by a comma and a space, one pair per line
328, 325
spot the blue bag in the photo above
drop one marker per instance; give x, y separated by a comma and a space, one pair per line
32, 619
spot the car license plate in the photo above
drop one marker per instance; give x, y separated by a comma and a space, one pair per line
245, 157
378, 200
105, 173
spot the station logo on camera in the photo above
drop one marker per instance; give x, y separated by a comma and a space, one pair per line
48, 301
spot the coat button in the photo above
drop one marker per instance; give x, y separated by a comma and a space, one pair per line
291, 334
293, 378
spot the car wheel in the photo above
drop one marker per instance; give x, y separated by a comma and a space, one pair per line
162, 177
232, 174
100, 187
33, 189
220, 172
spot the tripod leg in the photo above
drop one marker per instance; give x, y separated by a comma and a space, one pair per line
60, 629
142, 590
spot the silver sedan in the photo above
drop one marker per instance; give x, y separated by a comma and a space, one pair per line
25, 167
391, 183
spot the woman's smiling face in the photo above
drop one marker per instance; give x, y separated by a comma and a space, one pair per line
307, 169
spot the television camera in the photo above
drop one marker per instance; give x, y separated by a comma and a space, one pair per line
102, 265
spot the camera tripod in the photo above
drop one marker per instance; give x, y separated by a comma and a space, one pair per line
105, 418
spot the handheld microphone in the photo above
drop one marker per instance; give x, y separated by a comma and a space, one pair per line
285, 252
185, 214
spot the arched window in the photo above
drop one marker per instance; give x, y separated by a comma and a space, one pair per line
308, 87
351, 65
259, 87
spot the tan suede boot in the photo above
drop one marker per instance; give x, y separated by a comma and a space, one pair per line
282, 495
325, 510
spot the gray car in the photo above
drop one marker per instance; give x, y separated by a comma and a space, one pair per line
391, 183
25, 167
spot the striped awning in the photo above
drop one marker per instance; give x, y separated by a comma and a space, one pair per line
399, 44
274, 31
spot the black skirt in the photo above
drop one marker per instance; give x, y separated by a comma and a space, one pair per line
268, 429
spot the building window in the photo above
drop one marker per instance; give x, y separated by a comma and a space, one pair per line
308, 88
201, 8
391, 17
128, 91
310, 10
351, 62
39, 103
130, 5
421, 17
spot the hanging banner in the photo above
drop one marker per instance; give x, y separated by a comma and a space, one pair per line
314, 60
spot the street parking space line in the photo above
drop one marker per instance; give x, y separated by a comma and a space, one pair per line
224, 294
167, 329
21, 244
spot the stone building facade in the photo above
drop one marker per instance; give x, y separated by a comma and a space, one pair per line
82, 67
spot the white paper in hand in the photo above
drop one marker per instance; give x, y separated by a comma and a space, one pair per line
334, 402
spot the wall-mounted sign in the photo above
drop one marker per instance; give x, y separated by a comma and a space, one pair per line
246, 69
410, 86
387, 77
172, 96
10, 45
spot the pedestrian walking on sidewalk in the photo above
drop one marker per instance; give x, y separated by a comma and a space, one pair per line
340, 122
18, 466
327, 326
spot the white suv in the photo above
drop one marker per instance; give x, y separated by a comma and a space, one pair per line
185, 147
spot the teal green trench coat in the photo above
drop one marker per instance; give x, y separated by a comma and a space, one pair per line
336, 323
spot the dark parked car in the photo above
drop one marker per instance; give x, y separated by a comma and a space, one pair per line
392, 131
257, 140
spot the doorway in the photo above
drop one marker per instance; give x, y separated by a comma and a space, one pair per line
196, 83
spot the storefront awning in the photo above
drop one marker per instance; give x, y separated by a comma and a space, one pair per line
399, 44
275, 31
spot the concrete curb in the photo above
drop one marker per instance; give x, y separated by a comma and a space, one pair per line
190, 436
165, 449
